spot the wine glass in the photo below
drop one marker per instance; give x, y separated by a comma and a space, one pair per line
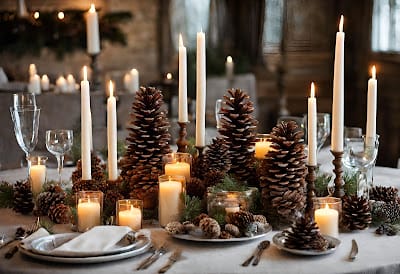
26, 126
360, 154
323, 128
58, 142
24, 99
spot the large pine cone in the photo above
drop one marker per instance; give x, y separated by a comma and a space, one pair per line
304, 234
148, 142
282, 173
60, 214
356, 213
195, 187
23, 198
210, 228
241, 219
386, 212
54, 195
238, 130
97, 170
213, 177
216, 157
386, 194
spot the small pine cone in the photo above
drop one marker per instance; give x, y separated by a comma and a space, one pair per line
216, 157
260, 218
97, 169
195, 187
175, 228
241, 219
213, 177
356, 213
189, 226
386, 194
386, 212
225, 235
196, 221
304, 234
210, 228
89, 185
23, 198
233, 230
60, 214
46, 199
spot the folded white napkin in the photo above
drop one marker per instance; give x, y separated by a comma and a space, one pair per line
41, 232
96, 240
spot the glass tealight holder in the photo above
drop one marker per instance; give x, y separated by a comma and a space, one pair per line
171, 198
261, 146
37, 173
129, 213
89, 209
327, 214
177, 163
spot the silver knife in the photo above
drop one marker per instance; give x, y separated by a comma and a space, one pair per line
150, 260
354, 250
174, 257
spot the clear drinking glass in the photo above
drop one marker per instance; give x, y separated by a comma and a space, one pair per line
323, 128
24, 99
360, 155
58, 142
26, 126
218, 115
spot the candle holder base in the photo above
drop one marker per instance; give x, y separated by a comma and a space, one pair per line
310, 179
338, 170
95, 83
182, 143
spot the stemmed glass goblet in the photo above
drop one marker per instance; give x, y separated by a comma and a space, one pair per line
323, 128
24, 99
58, 142
360, 154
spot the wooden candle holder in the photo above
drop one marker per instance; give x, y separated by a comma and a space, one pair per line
182, 143
310, 179
338, 170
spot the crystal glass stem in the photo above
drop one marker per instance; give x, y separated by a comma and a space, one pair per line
60, 165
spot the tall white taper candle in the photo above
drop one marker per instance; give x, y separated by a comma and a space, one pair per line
86, 127
312, 128
112, 135
201, 90
183, 107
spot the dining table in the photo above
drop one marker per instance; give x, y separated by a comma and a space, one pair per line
377, 253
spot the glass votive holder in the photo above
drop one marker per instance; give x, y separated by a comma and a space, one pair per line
327, 212
37, 173
261, 146
171, 196
89, 209
129, 213
177, 163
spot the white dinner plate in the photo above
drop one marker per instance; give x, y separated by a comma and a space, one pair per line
189, 237
279, 241
46, 245
141, 247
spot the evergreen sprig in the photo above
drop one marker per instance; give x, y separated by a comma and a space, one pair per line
229, 183
6, 195
192, 209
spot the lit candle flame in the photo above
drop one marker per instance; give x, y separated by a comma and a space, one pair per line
373, 72
84, 73
341, 24
180, 40
326, 206
111, 88
312, 94
36, 15
92, 8
61, 15
229, 59
169, 76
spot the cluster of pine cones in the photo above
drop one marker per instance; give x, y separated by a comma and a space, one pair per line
238, 224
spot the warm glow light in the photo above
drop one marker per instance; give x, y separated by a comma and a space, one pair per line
373, 72
169, 75
36, 15
312, 94
111, 88
92, 8
84, 73
180, 40
326, 206
60, 15
229, 59
341, 24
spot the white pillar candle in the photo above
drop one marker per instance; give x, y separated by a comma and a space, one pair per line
86, 127
201, 90
61, 84
71, 83
178, 168
34, 84
112, 135
232, 209
327, 220
183, 106
229, 67
338, 92
37, 175
131, 218
170, 201
45, 82
92, 31
135, 80
312, 128
88, 214
32, 70
261, 149
371, 106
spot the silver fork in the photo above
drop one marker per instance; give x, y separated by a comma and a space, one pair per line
159, 252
